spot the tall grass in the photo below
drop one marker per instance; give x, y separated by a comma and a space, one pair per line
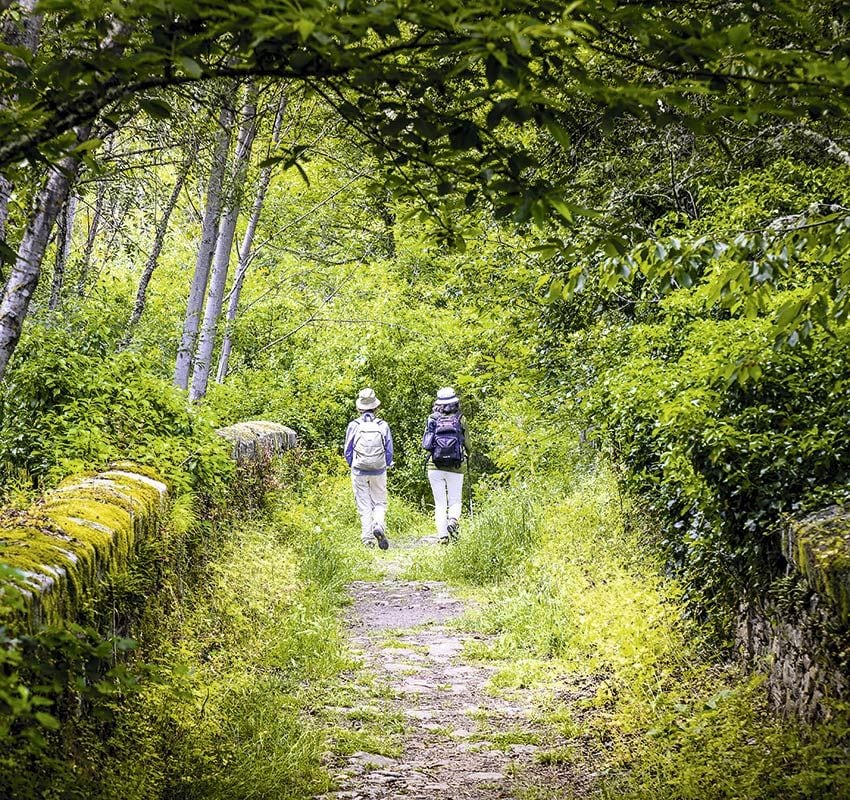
573, 598
500, 536
255, 652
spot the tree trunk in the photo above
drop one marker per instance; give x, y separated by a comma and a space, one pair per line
5, 194
245, 249
94, 226
218, 280
26, 35
64, 233
23, 279
159, 239
119, 207
209, 234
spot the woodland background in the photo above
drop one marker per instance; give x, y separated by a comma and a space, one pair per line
621, 231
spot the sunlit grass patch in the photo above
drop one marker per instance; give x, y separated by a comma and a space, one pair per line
348, 741
491, 545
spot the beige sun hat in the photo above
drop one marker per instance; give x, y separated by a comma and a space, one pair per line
366, 400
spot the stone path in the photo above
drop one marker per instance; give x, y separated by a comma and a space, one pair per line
461, 741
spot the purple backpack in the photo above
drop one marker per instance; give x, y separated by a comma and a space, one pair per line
444, 440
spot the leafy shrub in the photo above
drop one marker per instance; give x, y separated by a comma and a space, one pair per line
70, 406
725, 435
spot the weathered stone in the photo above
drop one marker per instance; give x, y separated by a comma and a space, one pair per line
486, 777
258, 439
418, 713
372, 760
819, 547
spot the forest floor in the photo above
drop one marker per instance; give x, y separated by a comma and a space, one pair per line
448, 731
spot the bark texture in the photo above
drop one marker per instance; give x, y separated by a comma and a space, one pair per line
224, 245
209, 234
245, 254
64, 231
23, 280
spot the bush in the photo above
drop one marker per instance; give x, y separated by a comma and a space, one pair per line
69, 406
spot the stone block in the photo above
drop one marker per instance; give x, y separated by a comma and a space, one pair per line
818, 546
258, 439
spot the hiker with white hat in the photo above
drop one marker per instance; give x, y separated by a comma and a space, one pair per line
368, 450
447, 445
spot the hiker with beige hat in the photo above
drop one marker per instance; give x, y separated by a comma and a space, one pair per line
368, 450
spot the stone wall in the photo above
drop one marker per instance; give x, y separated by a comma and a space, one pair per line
800, 633
58, 552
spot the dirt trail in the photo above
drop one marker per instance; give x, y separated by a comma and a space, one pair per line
461, 740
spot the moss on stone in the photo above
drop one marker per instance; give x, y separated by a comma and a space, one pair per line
819, 547
88, 527
139, 470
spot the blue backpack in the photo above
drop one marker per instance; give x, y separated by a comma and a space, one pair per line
444, 440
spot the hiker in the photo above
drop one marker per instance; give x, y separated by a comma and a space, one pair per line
368, 450
447, 444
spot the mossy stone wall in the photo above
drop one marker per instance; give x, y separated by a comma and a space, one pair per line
800, 633
62, 548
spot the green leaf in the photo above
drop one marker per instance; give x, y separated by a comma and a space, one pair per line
559, 134
47, 720
305, 27
89, 144
562, 208
191, 67
787, 314
158, 109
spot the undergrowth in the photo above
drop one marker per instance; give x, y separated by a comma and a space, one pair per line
259, 649
573, 601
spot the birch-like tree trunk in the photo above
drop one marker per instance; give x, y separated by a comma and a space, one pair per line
64, 233
23, 280
224, 245
209, 234
245, 249
91, 236
159, 240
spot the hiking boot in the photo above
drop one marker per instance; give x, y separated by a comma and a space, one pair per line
452, 527
443, 540
370, 545
378, 533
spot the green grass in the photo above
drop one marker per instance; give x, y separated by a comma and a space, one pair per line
574, 607
259, 688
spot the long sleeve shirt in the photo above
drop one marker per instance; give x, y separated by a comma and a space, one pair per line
348, 447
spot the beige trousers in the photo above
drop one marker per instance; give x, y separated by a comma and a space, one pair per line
370, 495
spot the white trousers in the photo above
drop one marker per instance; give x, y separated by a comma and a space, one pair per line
448, 497
370, 495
